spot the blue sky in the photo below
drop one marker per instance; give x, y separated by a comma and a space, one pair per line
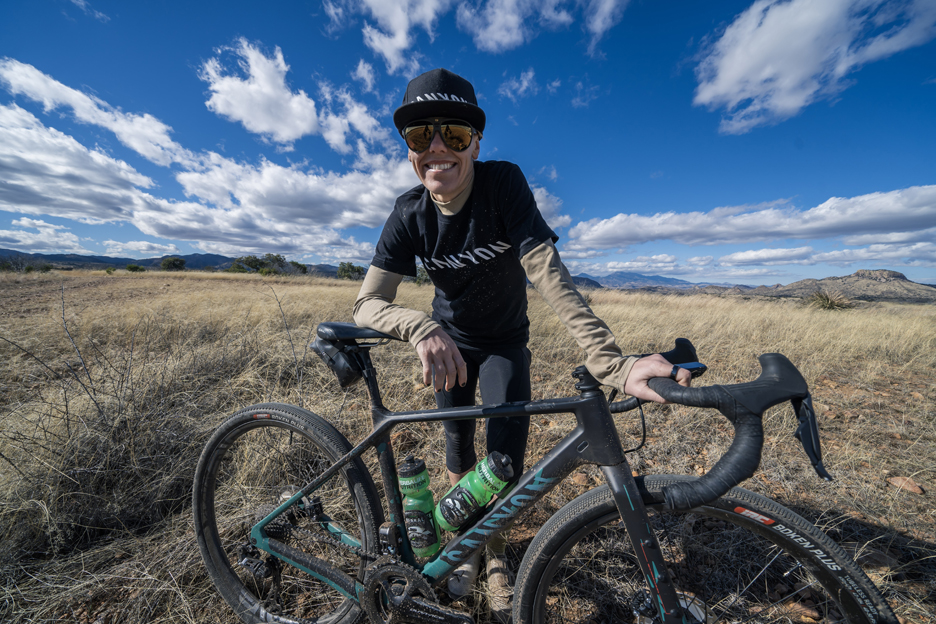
747, 142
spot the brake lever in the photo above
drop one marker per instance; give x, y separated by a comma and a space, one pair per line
808, 433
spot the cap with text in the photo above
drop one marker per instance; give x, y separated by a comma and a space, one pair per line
439, 93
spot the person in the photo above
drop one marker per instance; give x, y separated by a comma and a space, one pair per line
475, 227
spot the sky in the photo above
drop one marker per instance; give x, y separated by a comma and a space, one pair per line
733, 142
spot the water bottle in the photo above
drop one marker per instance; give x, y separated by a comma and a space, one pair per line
474, 491
418, 507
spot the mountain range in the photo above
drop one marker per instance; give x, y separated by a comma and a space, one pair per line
869, 285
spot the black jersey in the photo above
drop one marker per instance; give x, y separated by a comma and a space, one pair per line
473, 257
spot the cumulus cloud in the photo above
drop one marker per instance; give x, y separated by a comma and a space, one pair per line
142, 133
907, 210
391, 37
364, 73
46, 172
799, 255
517, 88
549, 206
778, 57
921, 254
139, 249
235, 207
258, 97
48, 238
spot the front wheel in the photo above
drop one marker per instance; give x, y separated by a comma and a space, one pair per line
742, 558
254, 462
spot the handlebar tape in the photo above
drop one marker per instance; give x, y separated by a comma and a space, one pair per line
743, 405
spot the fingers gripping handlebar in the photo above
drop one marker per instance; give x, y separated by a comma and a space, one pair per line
743, 405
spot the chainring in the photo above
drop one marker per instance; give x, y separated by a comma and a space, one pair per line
389, 586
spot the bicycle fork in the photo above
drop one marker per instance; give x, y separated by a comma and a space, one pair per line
646, 546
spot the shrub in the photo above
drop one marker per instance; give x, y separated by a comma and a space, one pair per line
422, 276
109, 270
135, 268
348, 271
173, 264
299, 267
29, 269
829, 300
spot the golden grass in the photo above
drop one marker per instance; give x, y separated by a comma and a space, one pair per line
114, 384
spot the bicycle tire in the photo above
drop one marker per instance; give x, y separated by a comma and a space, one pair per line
742, 558
254, 456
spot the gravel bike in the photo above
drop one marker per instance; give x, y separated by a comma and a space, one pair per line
292, 529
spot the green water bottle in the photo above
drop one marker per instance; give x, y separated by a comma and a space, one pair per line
418, 507
473, 491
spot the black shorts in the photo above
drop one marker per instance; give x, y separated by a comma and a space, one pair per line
502, 376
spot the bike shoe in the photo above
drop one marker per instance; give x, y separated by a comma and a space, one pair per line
499, 588
462, 580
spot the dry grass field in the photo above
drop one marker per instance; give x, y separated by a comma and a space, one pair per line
110, 386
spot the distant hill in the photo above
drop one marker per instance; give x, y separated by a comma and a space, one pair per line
587, 282
623, 279
863, 285
77, 261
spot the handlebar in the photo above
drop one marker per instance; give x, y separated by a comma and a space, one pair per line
743, 405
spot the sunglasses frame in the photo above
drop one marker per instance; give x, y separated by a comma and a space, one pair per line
437, 129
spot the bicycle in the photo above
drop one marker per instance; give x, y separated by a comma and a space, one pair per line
291, 527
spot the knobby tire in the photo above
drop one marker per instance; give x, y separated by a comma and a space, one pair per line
743, 558
256, 455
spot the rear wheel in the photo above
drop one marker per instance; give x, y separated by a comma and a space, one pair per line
255, 461
743, 558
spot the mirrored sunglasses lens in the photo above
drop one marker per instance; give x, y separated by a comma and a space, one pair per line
456, 137
418, 138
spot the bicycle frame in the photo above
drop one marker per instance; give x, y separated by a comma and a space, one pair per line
593, 441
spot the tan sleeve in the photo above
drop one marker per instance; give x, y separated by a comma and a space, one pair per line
374, 308
553, 281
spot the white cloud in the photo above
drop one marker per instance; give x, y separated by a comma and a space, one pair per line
239, 207
261, 100
700, 261
84, 6
46, 172
913, 255
906, 210
553, 86
142, 133
391, 38
517, 88
584, 94
364, 73
48, 238
501, 25
778, 57
139, 249
549, 206
600, 17
799, 255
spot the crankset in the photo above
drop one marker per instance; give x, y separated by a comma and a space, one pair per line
394, 593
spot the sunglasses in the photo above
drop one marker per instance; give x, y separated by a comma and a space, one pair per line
455, 134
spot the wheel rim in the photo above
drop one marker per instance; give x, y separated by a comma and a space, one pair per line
253, 467
722, 572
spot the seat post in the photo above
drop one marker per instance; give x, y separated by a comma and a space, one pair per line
370, 378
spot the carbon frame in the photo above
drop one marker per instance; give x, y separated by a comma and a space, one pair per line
593, 441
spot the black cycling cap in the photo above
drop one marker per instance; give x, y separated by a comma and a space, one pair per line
439, 93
